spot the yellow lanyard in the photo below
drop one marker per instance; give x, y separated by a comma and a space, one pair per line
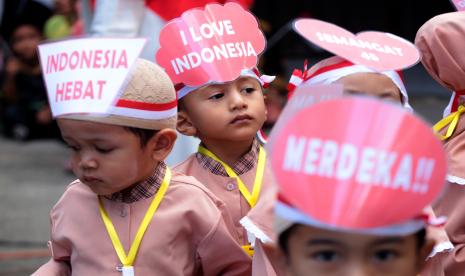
251, 198
128, 260
450, 120
257, 186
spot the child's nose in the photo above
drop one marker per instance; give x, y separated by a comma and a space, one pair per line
87, 161
237, 101
358, 269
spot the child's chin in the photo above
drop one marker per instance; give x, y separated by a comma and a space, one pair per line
243, 137
99, 191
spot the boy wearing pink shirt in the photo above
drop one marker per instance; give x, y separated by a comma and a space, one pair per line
211, 55
128, 213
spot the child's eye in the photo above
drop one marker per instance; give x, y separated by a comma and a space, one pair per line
104, 150
385, 255
216, 96
249, 90
325, 256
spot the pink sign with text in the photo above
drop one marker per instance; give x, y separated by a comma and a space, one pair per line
86, 75
211, 44
344, 162
377, 50
303, 97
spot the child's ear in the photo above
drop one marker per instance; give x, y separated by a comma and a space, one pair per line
162, 143
424, 253
184, 124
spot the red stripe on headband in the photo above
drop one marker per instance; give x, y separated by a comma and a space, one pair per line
147, 106
331, 67
401, 75
281, 199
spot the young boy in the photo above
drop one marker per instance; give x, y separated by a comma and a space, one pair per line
356, 79
25, 111
123, 183
226, 118
341, 213
221, 102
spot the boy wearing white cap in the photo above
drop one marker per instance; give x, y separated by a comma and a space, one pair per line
349, 201
128, 214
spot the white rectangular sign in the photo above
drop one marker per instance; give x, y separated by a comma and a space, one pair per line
86, 75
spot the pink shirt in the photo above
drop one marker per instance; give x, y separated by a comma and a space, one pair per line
187, 236
226, 189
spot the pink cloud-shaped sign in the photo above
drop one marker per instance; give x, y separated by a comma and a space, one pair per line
213, 44
378, 50
350, 170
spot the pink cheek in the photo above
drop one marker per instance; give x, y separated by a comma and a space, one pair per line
74, 165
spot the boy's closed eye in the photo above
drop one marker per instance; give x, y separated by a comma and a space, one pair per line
104, 150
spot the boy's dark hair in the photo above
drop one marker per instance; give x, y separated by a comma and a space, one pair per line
421, 238
144, 135
283, 239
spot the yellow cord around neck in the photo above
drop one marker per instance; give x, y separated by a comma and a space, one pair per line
251, 198
451, 120
128, 261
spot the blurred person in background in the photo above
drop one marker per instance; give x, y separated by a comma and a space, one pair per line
26, 113
275, 100
66, 20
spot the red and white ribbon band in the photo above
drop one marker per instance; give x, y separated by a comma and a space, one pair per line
144, 110
433, 221
262, 137
295, 80
297, 77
